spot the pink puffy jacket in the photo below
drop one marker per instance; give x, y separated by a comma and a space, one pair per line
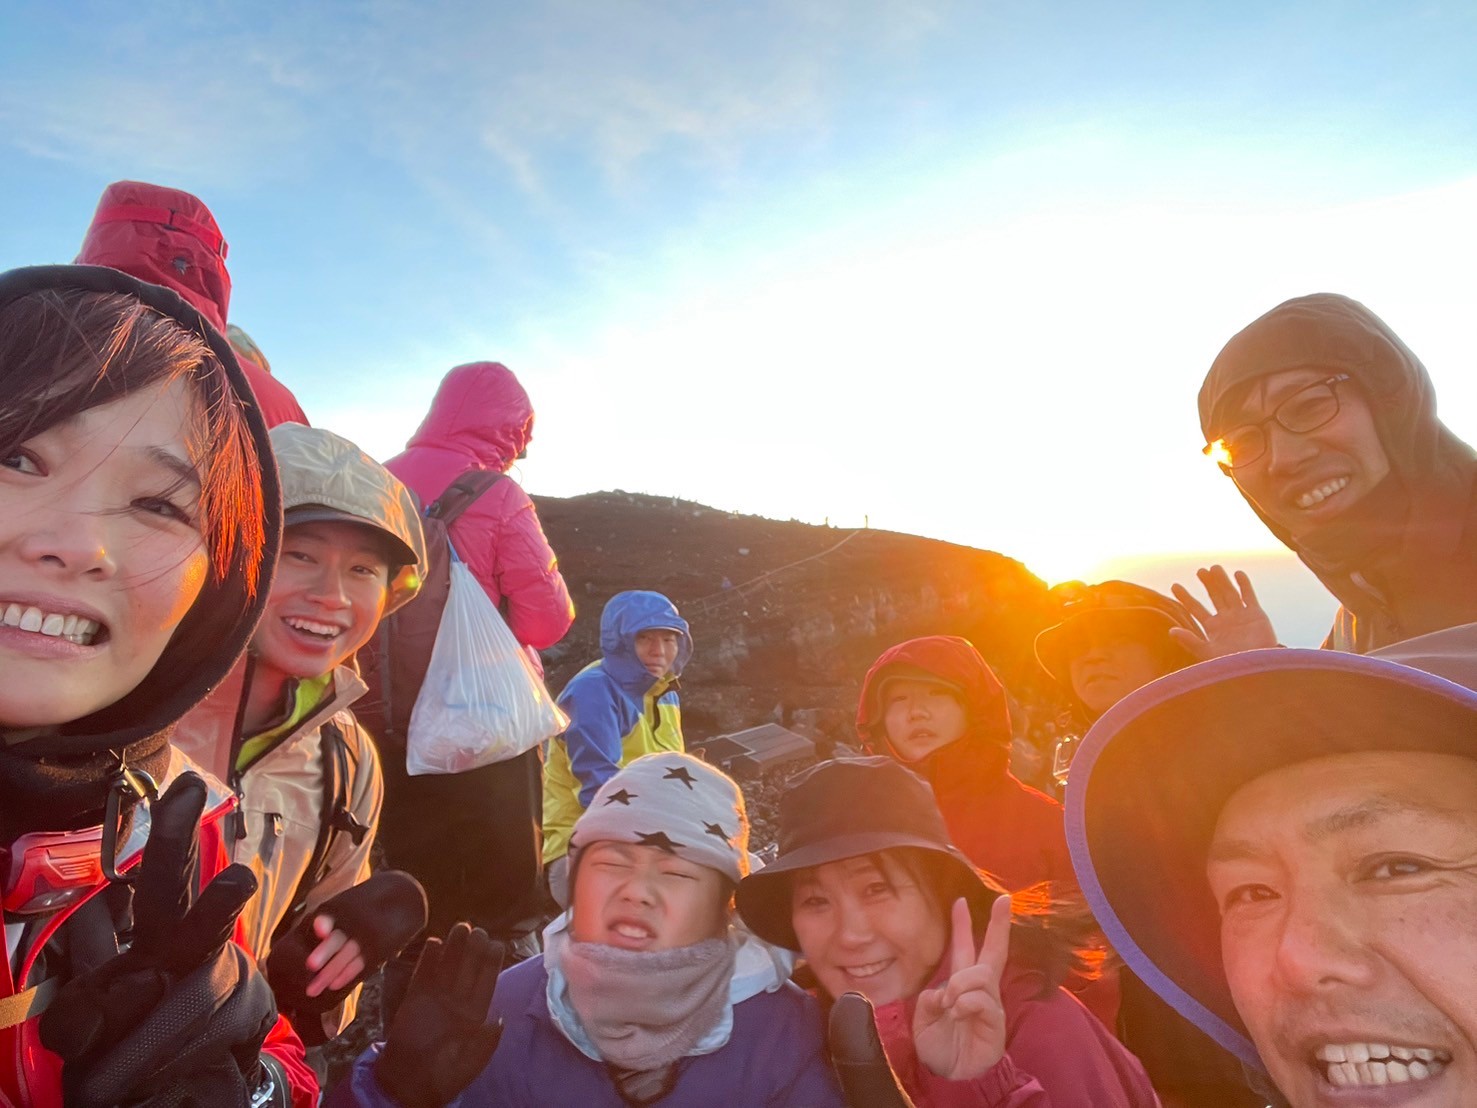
482, 418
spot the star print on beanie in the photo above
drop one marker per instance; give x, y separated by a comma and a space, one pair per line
675, 802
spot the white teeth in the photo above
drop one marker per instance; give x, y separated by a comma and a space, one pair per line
73, 628
1321, 493
1358, 1064
313, 627
871, 969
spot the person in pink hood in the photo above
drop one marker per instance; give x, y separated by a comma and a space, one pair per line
168, 237
481, 419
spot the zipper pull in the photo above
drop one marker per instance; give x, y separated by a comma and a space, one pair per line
240, 807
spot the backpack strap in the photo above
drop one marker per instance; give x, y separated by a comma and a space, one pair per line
336, 818
461, 494
22, 1006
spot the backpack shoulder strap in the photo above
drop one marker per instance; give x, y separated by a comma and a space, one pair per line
461, 494
334, 819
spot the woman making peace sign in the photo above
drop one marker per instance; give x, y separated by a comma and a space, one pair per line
869, 889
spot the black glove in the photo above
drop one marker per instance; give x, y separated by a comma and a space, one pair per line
178, 1018
441, 1039
858, 1057
383, 915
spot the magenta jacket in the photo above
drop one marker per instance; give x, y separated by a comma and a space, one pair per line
482, 419
1057, 1055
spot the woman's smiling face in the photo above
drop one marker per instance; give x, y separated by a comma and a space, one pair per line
101, 554
865, 925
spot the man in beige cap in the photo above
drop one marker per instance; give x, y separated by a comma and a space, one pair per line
279, 729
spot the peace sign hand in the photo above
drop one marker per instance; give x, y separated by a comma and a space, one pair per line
959, 1027
1238, 623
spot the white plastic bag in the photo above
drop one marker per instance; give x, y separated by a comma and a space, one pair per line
482, 700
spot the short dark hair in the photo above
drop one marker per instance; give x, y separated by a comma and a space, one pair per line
64, 351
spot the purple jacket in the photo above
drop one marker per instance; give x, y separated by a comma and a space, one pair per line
775, 1058
481, 418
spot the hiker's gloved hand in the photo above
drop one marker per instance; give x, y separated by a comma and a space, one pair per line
440, 1039
858, 1057
320, 961
180, 1016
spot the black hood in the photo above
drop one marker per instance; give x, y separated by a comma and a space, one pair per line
209, 640
1416, 518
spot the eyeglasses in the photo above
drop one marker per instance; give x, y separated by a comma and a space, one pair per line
1311, 407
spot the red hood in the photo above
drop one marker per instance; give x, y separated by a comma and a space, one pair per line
480, 409
954, 661
163, 236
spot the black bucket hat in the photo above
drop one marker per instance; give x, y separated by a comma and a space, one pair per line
1133, 610
843, 809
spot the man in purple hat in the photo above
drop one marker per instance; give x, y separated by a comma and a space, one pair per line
1283, 845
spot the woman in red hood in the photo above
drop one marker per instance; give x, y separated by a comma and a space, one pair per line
936, 706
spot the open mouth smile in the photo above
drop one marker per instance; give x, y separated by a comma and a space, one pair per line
57, 625
1311, 498
868, 969
314, 629
1366, 1065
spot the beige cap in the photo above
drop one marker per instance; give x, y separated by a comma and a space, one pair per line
326, 477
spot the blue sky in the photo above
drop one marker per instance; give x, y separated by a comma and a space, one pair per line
957, 268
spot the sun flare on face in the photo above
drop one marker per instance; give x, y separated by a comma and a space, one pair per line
1219, 453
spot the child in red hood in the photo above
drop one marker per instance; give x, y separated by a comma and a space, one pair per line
936, 706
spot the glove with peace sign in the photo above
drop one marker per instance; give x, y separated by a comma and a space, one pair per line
180, 1016
959, 1027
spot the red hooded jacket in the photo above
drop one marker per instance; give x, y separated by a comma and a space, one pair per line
482, 419
168, 237
1004, 827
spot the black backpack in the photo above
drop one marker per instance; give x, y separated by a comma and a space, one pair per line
394, 663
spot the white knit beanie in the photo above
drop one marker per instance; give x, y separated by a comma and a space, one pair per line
676, 802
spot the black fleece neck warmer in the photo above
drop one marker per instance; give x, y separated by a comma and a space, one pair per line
65, 793
60, 780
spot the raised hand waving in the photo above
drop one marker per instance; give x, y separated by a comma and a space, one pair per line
1238, 623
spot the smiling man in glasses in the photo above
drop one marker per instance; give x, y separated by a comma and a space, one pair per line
1327, 424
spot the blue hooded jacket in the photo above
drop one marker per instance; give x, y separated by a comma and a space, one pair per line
617, 711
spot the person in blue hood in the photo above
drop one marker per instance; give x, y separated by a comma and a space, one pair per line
620, 707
